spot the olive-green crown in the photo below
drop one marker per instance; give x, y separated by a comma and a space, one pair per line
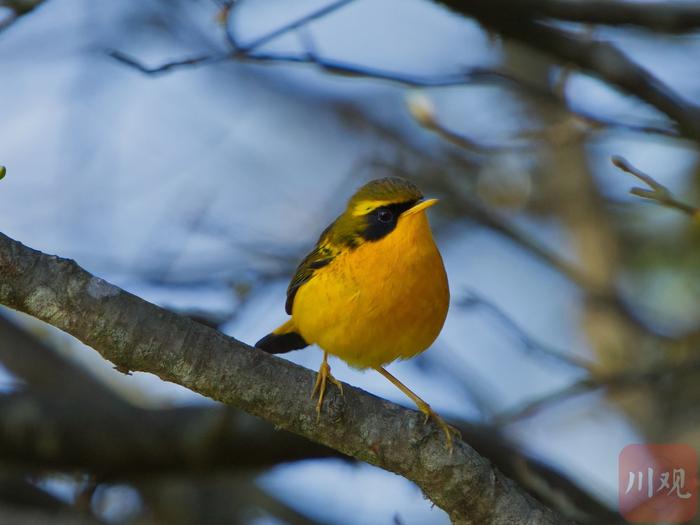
392, 189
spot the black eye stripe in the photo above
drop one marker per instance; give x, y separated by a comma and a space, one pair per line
398, 209
377, 227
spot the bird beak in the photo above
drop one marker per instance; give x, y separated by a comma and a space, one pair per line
422, 205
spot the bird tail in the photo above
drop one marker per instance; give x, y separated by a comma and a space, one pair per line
283, 339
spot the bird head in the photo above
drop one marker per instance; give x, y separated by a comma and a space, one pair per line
377, 208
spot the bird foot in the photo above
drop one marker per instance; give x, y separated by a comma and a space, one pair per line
447, 429
324, 375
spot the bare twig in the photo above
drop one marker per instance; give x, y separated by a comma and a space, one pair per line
610, 381
293, 25
246, 52
576, 125
422, 110
471, 299
226, 18
471, 76
658, 192
331, 66
487, 218
167, 66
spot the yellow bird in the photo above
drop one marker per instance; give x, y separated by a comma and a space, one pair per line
373, 290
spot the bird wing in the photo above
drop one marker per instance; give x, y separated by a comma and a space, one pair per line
322, 254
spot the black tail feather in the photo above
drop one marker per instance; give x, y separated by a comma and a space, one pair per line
281, 343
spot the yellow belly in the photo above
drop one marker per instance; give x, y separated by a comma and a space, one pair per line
382, 301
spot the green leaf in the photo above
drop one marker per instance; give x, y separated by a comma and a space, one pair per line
2, 172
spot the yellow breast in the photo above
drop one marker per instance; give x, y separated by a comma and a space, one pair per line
382, 301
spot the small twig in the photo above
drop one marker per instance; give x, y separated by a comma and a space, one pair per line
610, 381
422, 110
244, 52
529, 408
658, 192
471, 299
162, 68
334, 67
224, 17
577, 126
291, 26
598, 123
307, 43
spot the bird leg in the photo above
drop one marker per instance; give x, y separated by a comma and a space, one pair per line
423, 407
324, 374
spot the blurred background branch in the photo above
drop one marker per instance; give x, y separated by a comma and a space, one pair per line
657, 192
17, 9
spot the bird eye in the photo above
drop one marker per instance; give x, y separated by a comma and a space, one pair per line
385, 215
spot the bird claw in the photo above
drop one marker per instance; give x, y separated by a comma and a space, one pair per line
324, 375
447, 429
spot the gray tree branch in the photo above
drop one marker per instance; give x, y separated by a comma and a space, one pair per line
47, 372
136, 335
18, 9
659, 15
599, 58
58, 434
91, 428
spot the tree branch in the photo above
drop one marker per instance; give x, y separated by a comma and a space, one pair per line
48, 372
248, 53
42, 434
599, 58
92, 429
291, 26
658, 192
137, 335
19, 8
613, 381
471, 299
17, 491
664, 15
18, 516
